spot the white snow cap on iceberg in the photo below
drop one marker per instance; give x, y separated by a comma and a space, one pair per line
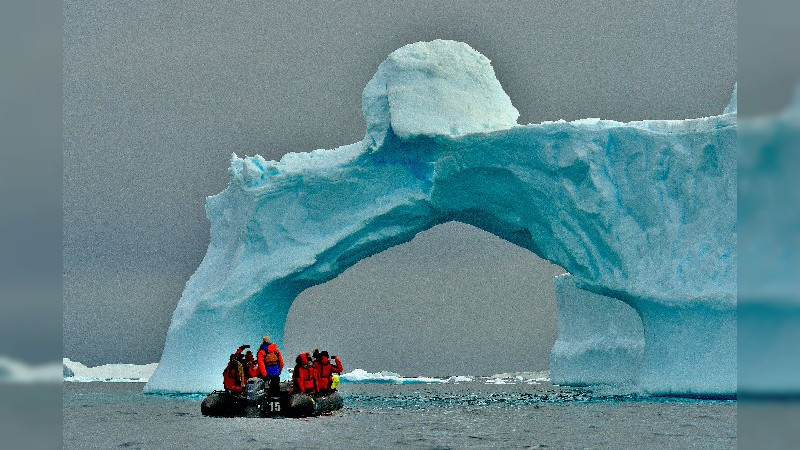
435, 88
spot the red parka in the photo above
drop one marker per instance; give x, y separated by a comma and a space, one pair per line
233, 378
251, 367
304, 377
325, 370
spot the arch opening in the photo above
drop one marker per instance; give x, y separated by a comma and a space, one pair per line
454, 300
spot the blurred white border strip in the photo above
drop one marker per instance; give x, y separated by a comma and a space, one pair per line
12, 371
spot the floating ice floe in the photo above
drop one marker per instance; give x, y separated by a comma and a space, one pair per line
362, 376
519, 377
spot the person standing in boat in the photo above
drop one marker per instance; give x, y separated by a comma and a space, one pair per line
325, 371
270, 365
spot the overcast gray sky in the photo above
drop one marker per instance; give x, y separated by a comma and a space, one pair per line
157, 96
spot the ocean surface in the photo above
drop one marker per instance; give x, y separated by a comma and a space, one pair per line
449, 415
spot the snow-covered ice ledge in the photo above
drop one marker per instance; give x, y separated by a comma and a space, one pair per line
644, 212
75, 371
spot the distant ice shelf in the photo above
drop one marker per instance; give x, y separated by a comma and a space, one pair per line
119, 373
361, 376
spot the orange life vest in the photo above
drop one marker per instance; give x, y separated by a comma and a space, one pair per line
271, 359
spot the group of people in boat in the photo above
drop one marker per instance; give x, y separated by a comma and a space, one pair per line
313, 372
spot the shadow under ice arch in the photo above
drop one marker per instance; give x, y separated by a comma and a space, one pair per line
643, 212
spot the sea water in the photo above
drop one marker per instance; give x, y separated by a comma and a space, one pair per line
465, 414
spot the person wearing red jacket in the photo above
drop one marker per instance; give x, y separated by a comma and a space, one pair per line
325, 370
247, 364
250, 365
270, 365
304, 377
233, 377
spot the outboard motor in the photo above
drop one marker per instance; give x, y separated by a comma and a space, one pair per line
256, 389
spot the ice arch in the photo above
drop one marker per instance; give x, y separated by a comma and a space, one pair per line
641, 211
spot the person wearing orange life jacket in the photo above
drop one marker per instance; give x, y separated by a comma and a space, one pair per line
270, 365
233, 376
304, 379
325, 370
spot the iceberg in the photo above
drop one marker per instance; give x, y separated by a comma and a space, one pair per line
641, 212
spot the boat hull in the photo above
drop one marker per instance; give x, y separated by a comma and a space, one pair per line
258, 403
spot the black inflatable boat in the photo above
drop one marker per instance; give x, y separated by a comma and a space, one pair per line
256, 403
